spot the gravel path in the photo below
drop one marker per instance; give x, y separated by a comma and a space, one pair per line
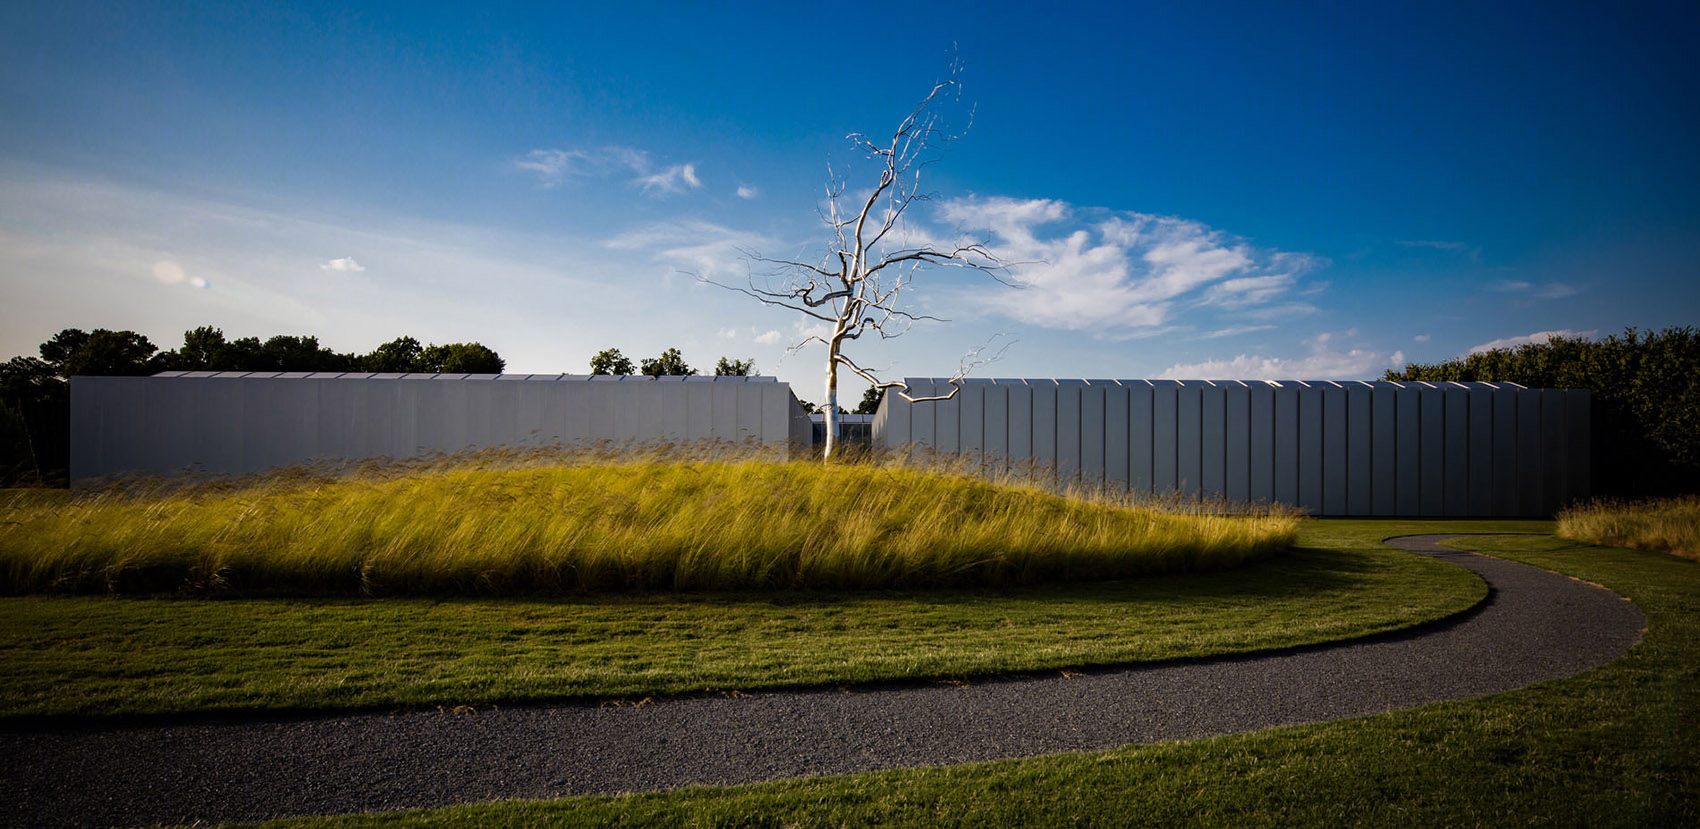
1534, 626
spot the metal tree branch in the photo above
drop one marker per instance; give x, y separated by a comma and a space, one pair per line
859, 283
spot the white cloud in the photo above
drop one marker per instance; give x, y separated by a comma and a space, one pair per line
168, 272
1322, 363
747, 192
1527, 339
630, 158
1454, 246
242, 265
344, 265
701, 248
805, 330
1421, 338
1234, 332
1538, 290
1122, 274
755, 333
552, 166
171, 273
675, 179
1356, 364
1283, 312
1474, 254
1250, 290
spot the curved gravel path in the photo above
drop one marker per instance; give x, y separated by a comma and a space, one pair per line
1534, 626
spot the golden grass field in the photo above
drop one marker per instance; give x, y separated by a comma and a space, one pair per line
508, 523
1666, 525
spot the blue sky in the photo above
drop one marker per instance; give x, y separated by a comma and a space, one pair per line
1292, 191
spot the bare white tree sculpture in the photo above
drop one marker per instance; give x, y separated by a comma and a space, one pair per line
873, 256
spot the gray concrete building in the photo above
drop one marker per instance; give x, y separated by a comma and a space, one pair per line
236, 422
1332, 448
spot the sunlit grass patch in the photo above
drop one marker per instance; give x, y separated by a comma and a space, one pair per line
501, 523
1666, 525
116, 655
1612, 746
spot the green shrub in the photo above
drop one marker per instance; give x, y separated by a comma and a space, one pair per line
1645, 392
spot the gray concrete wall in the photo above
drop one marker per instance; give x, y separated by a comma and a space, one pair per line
1333, 448
233, 423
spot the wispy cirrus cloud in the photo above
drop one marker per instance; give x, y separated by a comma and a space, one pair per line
1529, 339
551, 166
756, 335
1535, 290
701, 248
1122, 275
1468, 251
554, 166
1233, 332
675, 179
1452, 246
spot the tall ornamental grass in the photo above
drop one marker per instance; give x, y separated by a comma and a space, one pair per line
1666, 525
504, 524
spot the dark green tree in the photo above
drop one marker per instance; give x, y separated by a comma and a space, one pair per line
204, 349
610, 361
462, 358
670, 363
287, 353
1645, 399
18, 461
100, 352
59, 347
735, 368
398, 356
813, 409
29, 378
35, 393
245, 354
73, 352
870, 401
34, 421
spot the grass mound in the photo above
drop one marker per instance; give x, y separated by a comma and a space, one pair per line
123, 655
1667, 525
497, 526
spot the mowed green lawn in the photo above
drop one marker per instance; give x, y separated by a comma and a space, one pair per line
119, 655
1615, 746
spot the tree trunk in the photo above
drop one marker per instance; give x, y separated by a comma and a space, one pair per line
831, 400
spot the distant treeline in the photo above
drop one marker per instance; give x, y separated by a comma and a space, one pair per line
672, 362
1645, 400
35, 392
